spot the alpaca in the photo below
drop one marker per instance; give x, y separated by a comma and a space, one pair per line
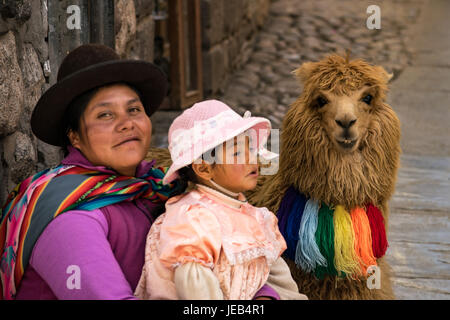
340, 146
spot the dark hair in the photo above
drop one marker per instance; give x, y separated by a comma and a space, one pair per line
187, 174
76, 108
72, 117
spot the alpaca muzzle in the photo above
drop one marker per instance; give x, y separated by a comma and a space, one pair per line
347, 143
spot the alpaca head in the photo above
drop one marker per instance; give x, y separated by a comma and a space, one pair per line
345, 96
339, 136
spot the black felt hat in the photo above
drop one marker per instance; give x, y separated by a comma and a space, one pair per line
85, 68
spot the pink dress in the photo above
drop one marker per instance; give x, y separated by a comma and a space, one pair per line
237, 241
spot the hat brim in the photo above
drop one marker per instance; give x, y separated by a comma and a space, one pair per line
243, 125
46, 120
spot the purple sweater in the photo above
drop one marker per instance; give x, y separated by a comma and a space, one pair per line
101, 250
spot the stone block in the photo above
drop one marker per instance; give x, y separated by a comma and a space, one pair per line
244, 32
143, 8
213, 69
232, 15
11, 85
125, 25
33, 81
44, 12
47, 155
261, 11
4, 26
142, 47
266, 104
246, 50
212, 22
19, 10
32, 73
20, 156
35, 30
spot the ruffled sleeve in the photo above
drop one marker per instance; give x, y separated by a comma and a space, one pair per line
191, 233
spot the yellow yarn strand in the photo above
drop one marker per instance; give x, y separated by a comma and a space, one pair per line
345, 258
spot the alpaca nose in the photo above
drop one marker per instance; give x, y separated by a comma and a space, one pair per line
345, 123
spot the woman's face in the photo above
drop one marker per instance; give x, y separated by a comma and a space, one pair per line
115, 131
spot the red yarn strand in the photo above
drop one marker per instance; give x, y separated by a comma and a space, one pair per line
376, 221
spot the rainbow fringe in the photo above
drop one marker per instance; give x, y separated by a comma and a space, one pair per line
333, 241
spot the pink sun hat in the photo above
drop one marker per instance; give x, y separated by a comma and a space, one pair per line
206, 125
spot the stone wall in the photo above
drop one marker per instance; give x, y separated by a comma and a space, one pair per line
134, 28
23, 78
25, 75
228, 29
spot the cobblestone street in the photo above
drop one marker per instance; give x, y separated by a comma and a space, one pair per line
297, 31
300, 31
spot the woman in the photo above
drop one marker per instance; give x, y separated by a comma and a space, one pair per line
78, 231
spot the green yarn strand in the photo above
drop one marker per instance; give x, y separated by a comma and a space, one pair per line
325, 241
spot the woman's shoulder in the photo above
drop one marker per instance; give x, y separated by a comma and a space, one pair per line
70, 226
73, 218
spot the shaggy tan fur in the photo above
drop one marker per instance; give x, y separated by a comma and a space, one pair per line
312, 161
162, 156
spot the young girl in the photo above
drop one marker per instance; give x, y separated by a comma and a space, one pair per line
211, 243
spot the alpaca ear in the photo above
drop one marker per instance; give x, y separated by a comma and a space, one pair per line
304, 72
384, 74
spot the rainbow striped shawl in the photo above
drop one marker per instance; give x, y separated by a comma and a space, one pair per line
33, 204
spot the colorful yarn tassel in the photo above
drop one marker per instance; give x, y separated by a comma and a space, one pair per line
363, 238
285, 208
325, 241
376, 221
293, 225
345, 258
307, 254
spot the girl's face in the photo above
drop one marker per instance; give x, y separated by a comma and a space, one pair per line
239, 169
115, 131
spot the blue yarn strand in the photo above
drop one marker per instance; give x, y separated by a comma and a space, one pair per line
307, 254
293, 225
285, 208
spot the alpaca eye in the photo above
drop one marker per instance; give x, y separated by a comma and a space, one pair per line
368, 99
321, 101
